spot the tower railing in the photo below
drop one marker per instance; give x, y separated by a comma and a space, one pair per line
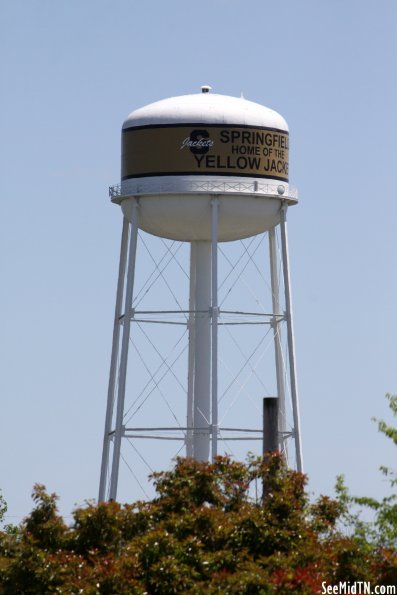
252, 187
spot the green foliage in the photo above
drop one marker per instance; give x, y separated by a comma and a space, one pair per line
3, 508
382, 530
44, 526
7, 528
203, 533
391, 433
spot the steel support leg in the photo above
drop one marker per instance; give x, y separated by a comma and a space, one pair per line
119, 428
276, 323
113, 362
290, 337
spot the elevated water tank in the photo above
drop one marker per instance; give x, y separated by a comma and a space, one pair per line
179, 152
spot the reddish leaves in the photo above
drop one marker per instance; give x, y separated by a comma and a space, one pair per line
204, 533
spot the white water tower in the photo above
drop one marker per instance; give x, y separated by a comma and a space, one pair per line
203, 169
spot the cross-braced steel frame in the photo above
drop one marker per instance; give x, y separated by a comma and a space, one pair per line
202, 430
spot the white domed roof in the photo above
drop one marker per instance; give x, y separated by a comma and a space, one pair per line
208, 108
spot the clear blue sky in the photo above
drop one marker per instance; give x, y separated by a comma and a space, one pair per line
71, 72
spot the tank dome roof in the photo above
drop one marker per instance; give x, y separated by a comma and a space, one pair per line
205, 108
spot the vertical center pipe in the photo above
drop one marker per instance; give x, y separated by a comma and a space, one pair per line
202, 352
190, 374
214, 326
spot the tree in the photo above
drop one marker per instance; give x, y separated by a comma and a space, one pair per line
203, 533
7, 528
383, 529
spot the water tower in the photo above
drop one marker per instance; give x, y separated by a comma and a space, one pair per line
201, 169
